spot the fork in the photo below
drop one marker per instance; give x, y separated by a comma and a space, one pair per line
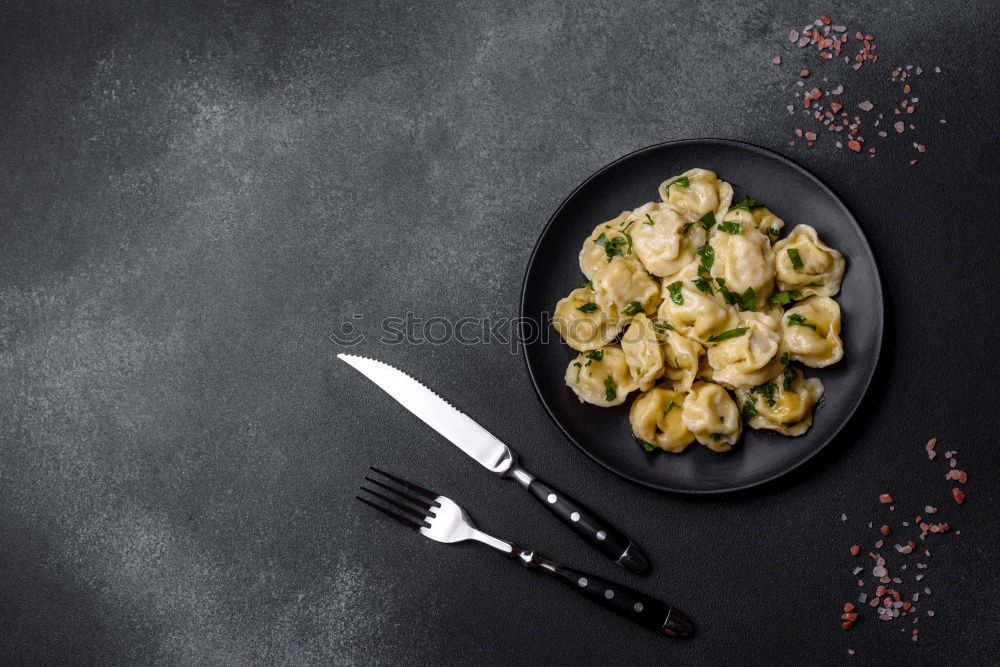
443, 520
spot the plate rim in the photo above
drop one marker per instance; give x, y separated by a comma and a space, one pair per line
742, 145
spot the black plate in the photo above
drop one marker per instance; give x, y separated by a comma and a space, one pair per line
794, 195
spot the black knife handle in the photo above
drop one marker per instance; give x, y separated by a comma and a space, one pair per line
587, 524
628, 602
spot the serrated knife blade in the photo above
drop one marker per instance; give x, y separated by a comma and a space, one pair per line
484, 447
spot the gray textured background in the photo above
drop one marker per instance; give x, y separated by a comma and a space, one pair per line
195, 197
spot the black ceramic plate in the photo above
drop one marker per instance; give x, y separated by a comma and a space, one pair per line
795, 196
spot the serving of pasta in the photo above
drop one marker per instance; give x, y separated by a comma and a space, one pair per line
698, 304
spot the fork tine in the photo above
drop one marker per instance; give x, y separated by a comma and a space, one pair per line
420, 516
422, 504
406, 522
430, 495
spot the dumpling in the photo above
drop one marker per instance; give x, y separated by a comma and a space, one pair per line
744, 260
749, 357
662, 240
606, 241
810, 332
601, 377
681, 357
694, 313
784, 404
712, 416
656, 420
582, 323
695, 192
759, 217
642, 351
803, 262
624, 284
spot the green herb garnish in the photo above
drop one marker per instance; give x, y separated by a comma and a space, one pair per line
788, 377
716, 436
670, 407
706, 255
610, 390
588, 308
706, 221
588, 285
748, 203
682, 182
793, 255
773, 232
729, 227
662, 326
796, 320
784, 358
704, 284
726, 335
749, 410
645, 445
613, 246
648, 220
766, 390
675, 293
785, 297
595, 355
813, 285
633, 308
748, 300
579, 367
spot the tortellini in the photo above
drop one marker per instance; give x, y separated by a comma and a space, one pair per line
697, 192
643, 353
784, 404
810, 332
601, 377
750, 356
656, 420
694, 313
681, 359
606, 241
712, 416
804, 263
663, 241
693, 297
625, 285
744, 260
582, 323
759, 217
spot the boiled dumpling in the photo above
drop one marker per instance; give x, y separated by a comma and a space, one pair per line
662, 240
744, 260
643, 353
759, 217
694, 313
810, 332
803, 262
606, 241
694, 193
712, 416
601, 377
624, 284
582, 323
656, 419
784, 404
749, 357
681, 357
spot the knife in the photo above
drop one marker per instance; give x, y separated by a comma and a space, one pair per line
495, 456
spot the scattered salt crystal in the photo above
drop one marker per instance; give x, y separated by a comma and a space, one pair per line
915, 597
918, 577
855, 573
863, 598
930, 613
943, 121
776, 60
899, 126
919, 71
793, 36
839, 145
937, 70
866, 106
843, 517
927, 590
878, 571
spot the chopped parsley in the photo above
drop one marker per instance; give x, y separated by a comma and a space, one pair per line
595, 355
662, 326
748, 300
726, 335
670, 407
773, 232
613, 246
610, 389
730, 296
704, 284
648, 220
716, 436
706, 221
633, 308
748, 203
645, 445
785, 297
588, 285
681, 182
788, 377
767, 390
579, 367
675, 293
796, 320
749, 410
706, 255
588, 308
793, 255
784, 358
729, 227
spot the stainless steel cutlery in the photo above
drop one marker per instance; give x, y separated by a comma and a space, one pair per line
496, 457
443, 520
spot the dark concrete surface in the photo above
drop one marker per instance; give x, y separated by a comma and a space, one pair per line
195, 196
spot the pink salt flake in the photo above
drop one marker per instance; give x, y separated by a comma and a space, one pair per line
899, 126
776, 60
866, 106
793, 36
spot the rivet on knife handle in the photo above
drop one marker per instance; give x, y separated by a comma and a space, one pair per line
585, 522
